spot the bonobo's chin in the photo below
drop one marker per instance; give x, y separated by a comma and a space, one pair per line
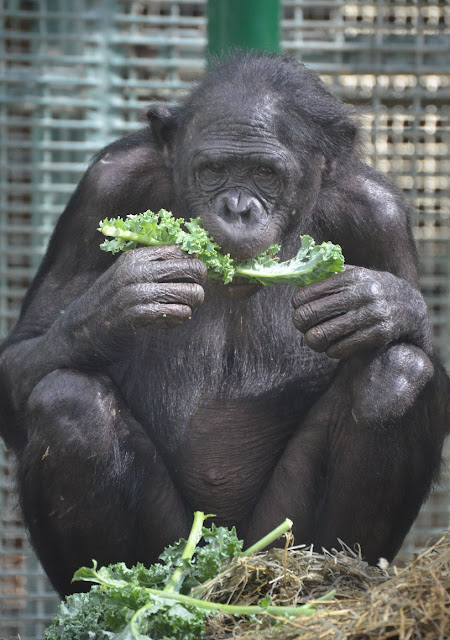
238, 289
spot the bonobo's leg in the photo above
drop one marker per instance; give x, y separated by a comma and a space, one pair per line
345, 476
383, 457
92, 484
390, 384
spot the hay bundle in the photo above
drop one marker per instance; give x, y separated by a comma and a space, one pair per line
410, 603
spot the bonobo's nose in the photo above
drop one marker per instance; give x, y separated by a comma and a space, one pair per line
238, 207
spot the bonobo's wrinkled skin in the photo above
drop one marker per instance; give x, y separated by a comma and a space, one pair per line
134, 392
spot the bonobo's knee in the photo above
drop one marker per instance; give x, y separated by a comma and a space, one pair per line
390, 383
67, 401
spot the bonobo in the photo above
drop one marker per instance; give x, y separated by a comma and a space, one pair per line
134, 391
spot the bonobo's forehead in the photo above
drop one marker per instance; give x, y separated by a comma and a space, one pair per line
236, 127
256, 107
222, 114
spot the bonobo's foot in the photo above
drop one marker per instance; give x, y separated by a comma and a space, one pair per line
389, 385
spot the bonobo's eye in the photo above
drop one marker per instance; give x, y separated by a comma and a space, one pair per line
216, 167
264, 172
212, 173
265, 177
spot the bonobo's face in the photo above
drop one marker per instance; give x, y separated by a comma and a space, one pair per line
240, 179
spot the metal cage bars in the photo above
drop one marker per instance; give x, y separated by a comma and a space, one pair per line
75, 75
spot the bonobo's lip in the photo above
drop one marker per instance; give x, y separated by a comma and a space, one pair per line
238, 289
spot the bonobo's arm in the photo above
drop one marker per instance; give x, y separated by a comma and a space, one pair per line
374, 314
361, 309
83, 305
158, 287
377, 302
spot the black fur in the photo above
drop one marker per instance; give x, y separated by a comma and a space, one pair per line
134, 392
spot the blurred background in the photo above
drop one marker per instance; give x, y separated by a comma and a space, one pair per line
74, 75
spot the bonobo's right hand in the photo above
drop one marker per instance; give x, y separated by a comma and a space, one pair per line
153, 286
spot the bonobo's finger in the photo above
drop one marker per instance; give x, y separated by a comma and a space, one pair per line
160, 252
190, 270
358, 342
310, 314
321, 337
330, 286
158, 315
184, 293
316, 290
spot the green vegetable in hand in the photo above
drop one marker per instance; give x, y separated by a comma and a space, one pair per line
311, 263
157, 603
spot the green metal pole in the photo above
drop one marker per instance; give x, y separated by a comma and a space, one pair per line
243, 24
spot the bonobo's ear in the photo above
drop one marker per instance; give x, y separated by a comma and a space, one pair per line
163, 122
341, 142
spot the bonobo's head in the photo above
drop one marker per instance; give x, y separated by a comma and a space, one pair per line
251, 148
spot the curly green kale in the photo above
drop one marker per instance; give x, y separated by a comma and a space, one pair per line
157, 603
161, 228
137, 603
311, 263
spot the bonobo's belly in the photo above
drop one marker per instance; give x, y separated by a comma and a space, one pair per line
228, 454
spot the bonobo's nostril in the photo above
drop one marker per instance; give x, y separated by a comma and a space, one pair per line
232, 202
236, 206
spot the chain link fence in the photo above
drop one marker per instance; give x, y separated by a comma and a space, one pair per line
75, 74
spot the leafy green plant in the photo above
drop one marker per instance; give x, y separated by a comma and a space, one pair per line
156, 603
312, 262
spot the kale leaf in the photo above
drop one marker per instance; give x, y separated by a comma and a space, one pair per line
312, 262
155, 603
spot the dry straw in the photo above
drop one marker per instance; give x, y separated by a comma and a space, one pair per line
409, 603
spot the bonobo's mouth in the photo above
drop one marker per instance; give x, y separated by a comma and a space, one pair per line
238, 289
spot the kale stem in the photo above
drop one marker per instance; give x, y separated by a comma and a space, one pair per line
268, 539
125, 234
174, 584
238, 610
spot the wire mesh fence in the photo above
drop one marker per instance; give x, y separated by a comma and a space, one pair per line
75, 74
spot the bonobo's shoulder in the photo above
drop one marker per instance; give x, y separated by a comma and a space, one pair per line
383, 202
377, 232
129, 154
138, 142
130, 173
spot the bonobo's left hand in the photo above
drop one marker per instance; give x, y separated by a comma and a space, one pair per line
360, 310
